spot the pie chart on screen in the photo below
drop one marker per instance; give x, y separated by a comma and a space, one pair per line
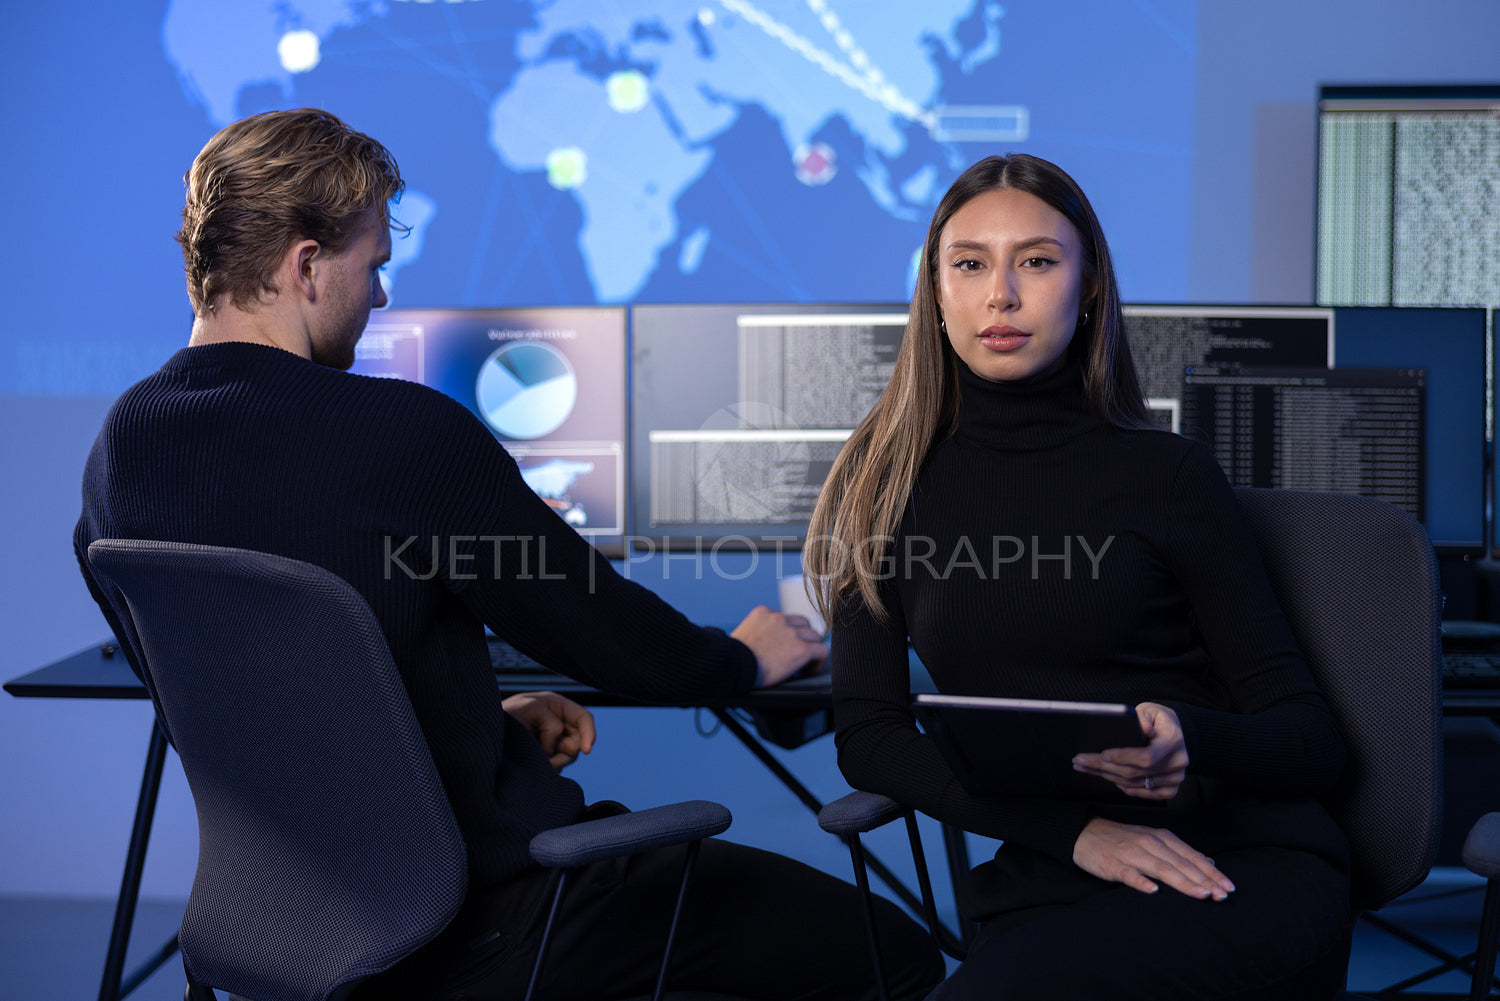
526, 389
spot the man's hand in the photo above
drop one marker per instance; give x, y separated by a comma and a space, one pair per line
1155, 771
561, 726
1142, 857
782, 644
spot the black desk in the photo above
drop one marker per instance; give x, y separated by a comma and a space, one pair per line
102, 672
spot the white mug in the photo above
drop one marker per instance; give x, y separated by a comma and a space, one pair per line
792, 594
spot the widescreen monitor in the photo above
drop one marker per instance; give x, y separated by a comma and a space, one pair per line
1346, 430
548, 382
1166, 340
738, 412
1408, 196
1450, 347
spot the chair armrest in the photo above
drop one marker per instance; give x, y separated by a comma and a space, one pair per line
1482, 847
629, 833
859, 812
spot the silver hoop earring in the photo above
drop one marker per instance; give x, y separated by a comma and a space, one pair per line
943, 325
1083, 321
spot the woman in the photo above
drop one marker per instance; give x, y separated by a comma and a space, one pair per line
1009, 506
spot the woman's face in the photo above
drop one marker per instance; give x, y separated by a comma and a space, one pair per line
1010, 278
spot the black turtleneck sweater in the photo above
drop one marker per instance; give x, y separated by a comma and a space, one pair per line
403, 493
1046, 554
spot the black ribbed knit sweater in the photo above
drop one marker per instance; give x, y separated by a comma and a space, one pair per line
1046, 554
395, 487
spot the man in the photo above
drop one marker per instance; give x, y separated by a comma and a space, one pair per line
254, 437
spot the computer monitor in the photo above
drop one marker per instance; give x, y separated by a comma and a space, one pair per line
549, 383
1350, 430
1450, 346
738, 412
1166, 340
1408, 195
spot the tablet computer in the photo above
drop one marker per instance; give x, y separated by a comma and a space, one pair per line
1025, 747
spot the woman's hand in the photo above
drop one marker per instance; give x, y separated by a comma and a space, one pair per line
1155, 771
1143, 857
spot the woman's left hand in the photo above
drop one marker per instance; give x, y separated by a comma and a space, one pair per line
1155, 771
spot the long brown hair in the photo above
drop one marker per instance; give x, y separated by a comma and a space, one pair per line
867, 489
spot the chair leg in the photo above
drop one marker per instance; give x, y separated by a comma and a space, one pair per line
956, 846
862, 880
559, 879
941, 937
135, 864
1489, 942
666, 956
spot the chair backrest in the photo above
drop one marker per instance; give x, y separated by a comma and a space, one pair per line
327, 848
1359, 584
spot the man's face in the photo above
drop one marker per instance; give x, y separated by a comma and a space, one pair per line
353, 289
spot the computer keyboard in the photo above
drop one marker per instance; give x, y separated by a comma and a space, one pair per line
1471, 669
508, 660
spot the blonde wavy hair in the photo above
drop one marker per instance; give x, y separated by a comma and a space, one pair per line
268, 181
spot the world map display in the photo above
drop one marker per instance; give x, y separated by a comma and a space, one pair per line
573, 151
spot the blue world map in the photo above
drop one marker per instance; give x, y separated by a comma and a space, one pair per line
571, 152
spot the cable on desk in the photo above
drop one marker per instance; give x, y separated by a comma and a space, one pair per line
698, 723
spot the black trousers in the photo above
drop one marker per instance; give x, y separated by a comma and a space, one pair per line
754, 925
1283, 935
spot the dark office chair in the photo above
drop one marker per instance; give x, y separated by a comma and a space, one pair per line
327, 848
564, 849
1358, 582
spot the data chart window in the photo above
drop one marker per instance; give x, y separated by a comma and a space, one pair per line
548, 382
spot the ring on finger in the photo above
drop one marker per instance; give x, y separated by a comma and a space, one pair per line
1149, 784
